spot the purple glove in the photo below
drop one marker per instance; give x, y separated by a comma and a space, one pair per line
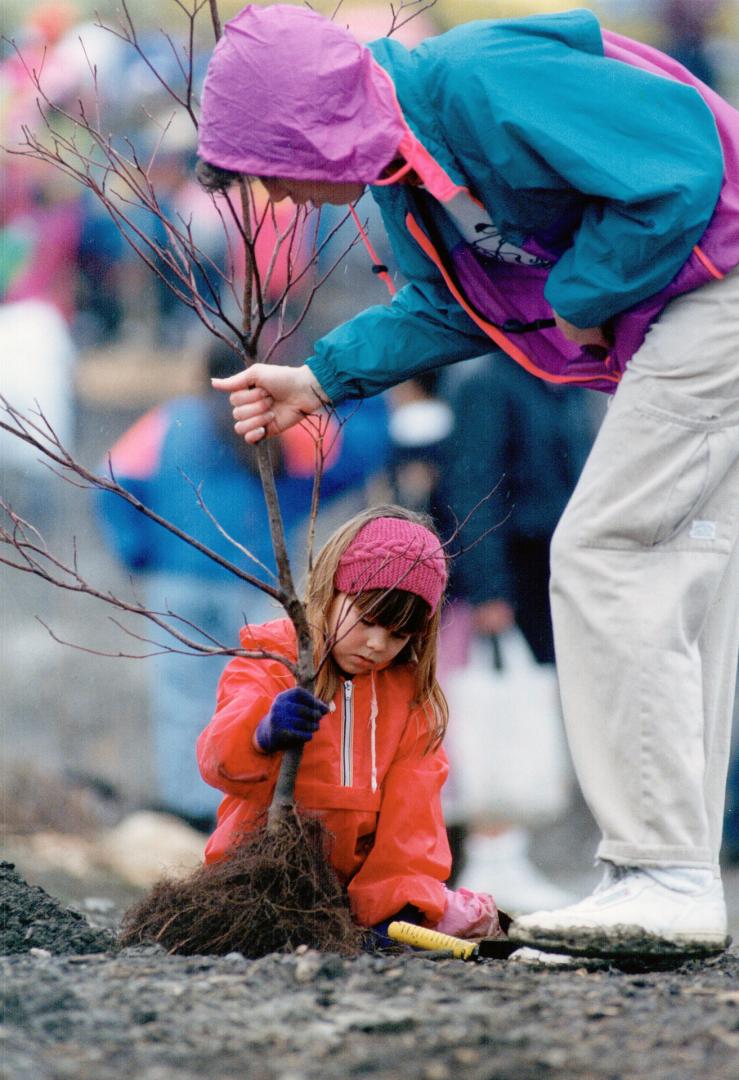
292, 720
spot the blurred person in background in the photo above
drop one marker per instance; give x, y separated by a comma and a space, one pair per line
43, 209
37, 370
101, 291
420, 422
688, 25
40, 231
184, 444
510, 465
40, 224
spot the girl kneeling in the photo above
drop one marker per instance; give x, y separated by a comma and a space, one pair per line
373, 765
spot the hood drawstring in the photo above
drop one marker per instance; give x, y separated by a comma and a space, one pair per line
394, 177
373, 732
377, 267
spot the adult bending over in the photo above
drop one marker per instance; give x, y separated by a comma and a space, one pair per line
572, 196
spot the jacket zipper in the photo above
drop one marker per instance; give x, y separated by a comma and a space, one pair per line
347, 734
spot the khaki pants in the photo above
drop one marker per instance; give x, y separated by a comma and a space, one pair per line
645, 591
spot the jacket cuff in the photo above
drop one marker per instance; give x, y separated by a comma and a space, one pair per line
330, 383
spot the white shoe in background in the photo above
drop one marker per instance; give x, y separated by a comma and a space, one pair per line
635, 912
500, 865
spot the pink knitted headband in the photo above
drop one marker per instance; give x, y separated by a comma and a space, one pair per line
393, 553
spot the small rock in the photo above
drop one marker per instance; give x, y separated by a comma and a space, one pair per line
307, 967
465, 1055
144, 1016
99, 905
332, 967
40, 954
436, 1071
147, 846
554, 1059
395, 973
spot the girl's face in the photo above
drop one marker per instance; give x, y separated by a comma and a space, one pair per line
316, 192
361, 646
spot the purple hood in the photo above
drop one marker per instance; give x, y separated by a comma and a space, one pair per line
290, 94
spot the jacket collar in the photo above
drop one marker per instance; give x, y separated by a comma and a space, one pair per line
422, 145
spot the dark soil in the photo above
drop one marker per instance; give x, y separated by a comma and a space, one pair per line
140, 1013
31, 919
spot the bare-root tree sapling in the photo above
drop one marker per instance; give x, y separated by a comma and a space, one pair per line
234, 307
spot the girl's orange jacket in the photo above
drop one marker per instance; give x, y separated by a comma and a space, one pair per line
364, 770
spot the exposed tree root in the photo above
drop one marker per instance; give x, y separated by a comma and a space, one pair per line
275, 891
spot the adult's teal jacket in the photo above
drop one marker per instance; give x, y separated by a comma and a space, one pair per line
612, 171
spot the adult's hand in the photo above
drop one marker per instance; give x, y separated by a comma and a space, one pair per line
582, 335
268, 398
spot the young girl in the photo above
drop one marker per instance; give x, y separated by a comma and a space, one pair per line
373, 766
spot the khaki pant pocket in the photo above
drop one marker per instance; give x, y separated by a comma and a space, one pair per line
664, 473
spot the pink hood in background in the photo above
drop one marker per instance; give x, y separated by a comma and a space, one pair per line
290, 94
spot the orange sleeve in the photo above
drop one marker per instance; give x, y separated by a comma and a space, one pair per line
225, 751
410, 859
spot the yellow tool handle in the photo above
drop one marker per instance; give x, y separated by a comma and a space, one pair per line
421, 938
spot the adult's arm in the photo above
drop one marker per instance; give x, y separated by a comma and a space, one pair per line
423, 328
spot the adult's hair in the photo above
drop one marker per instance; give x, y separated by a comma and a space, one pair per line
214, 179
395, 609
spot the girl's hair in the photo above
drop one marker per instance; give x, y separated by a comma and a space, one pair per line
395, 609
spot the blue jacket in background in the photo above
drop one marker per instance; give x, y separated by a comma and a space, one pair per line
187, 438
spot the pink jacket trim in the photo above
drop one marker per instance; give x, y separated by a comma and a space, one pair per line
436, 181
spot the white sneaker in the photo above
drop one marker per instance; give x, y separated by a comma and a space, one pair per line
500, 865
633, 914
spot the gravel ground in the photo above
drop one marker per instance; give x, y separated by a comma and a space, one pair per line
72, 1012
